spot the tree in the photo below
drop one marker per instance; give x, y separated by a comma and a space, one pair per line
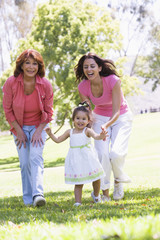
16, 19
136, 18
148, 66
62, 33
3, 123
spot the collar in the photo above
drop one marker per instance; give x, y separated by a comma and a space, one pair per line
39, 80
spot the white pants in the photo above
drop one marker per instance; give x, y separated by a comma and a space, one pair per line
113, 151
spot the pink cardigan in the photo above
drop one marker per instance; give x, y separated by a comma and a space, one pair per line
14, 99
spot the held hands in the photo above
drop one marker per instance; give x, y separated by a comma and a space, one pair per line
103, 134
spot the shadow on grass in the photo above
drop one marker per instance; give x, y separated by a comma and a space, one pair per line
60, 209
9, 164
9, 160
59, 162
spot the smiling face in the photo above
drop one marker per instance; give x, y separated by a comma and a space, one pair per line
30, 68
91, 69
80, 120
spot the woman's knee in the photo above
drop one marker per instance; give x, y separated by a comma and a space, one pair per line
116, 156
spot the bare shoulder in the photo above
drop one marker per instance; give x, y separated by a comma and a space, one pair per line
88, 132
67, 132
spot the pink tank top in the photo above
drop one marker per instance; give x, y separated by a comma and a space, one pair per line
103, 104
32, 113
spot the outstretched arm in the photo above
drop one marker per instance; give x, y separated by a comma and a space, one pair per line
116, 102
96, 136
59, 139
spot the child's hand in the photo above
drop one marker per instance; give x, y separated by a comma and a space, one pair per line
103, 127
103, 134
48, 130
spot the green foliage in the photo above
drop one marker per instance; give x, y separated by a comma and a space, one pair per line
62, 33
129, 83
148, 66
66, 32
3, 123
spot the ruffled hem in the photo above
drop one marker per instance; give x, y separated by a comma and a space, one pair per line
83, 180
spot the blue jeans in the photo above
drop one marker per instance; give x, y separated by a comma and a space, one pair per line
31, 164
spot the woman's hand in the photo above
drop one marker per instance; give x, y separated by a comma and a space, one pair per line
21, 138
37, 138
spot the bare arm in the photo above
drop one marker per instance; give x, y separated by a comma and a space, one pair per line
116, 102
91, 133
59, 139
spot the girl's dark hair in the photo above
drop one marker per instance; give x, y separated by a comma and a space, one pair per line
80, 108
24, 56
108, 67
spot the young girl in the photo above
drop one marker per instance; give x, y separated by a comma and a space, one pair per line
81, 164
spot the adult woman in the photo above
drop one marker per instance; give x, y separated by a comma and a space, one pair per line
28, 106
100, 83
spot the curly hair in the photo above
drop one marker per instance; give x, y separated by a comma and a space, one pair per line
108, 67
24, 56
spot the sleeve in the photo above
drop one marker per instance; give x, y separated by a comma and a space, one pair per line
83, 88
48, 104
8, 101
113, 79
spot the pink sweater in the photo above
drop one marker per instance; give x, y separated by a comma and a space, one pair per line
103, 104
14, 100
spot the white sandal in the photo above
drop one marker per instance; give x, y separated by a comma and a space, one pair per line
77, 204
96, 199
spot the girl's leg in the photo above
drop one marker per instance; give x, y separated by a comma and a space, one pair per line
78, 193
96, 187
106, 193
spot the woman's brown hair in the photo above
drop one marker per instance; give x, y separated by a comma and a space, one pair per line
24, 56
108, 67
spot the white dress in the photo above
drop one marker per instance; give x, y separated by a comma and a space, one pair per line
82, 164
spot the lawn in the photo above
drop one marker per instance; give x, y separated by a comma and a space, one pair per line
137, 216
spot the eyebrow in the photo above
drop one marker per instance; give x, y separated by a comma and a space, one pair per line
92, 64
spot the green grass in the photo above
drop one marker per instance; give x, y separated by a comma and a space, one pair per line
137, 216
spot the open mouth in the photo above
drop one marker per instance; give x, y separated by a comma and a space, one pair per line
90, 74
80, 125
30, 72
